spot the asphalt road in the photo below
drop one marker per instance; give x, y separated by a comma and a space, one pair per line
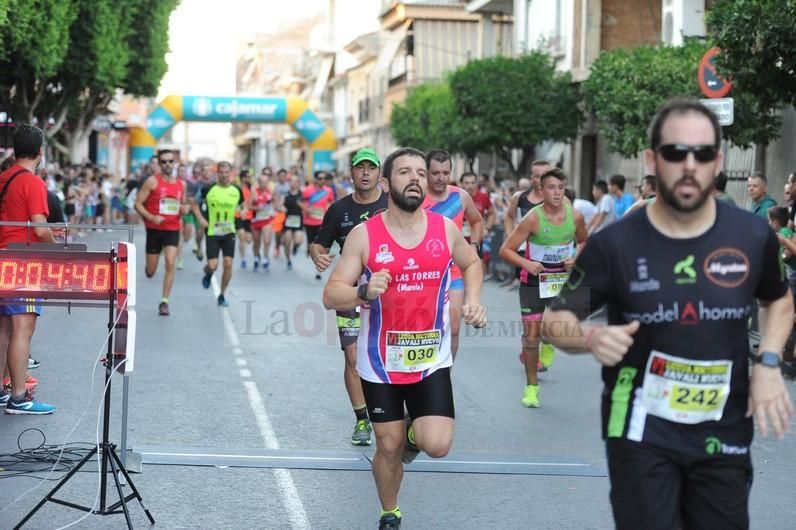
264, 379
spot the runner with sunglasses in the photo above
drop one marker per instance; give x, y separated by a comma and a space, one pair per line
679, 278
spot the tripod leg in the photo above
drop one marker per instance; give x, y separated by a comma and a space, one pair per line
115, 457
57, 487
110, 454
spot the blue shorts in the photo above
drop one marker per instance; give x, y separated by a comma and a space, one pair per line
457, 284
21, 309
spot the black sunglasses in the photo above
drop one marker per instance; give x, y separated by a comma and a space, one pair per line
166, 161
679, 152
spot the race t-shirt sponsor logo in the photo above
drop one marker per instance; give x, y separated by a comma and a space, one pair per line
727, 267
688, 313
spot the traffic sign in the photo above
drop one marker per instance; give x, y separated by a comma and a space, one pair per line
723, 108
711, 83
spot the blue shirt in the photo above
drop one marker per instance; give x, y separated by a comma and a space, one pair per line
623, 203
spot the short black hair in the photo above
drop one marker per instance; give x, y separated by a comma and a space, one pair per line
468, 174
601, 185
618, 181
165, 152
223, 163
553, 173
439, 155
403, 151
28, 141
681, 106
651, 181
281, 171
720, 182
779, 214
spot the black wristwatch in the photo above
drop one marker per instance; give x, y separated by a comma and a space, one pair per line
362, 292
767, 358
477, 248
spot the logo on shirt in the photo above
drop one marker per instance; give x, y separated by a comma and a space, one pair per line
411, 264
384, 255
727, 267
684, 271
644, 283
434, 247
689, 314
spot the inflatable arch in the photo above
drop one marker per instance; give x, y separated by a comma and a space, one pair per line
293, 111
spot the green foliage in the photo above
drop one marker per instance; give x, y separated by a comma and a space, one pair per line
425, 118
626, 87
516, 103
758, 43
150, 40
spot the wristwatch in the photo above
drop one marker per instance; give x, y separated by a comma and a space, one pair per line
767, 358
362, 292
477, 247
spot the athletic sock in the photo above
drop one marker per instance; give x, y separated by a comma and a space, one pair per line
361, 412
164, 300
396, 511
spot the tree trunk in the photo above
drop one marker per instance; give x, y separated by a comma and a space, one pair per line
75, 145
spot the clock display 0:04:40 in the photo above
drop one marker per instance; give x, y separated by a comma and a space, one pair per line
33, 275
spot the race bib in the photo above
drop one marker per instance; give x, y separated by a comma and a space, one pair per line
550, 283
686, 391
223, 228
293, 221
169, 206
412, 351
466, 232
315, 212
552, 253
266, 213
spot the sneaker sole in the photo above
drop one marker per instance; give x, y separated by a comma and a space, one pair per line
530, 405
361, 443
26, 412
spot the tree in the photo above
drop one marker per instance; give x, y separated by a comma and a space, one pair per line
427, 120
758, 43
516, 103
626, 87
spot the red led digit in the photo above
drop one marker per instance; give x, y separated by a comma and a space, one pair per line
102, 275
55, 272
8, 275
80, 272
33, 274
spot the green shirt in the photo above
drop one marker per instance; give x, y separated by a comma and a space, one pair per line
221, 202
761, 208
787, 233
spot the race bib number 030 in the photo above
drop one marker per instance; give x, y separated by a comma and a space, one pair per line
550, 283
412, 351
686, 391
169, 206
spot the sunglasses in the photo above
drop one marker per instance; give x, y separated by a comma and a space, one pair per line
166, 161
679, 152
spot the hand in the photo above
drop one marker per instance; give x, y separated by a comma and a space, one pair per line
322, 261
157, 219
378, 284
535, 268
568, 263
609, 344
474, 314
769, 401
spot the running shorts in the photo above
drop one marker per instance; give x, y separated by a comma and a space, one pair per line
157, 239
220, 244
433, 396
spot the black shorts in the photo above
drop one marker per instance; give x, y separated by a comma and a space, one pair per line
531, 306
655, 488
312, 232
245, 224
220, 244
157, 239
100, 210
69, 209
348, 327
433, 396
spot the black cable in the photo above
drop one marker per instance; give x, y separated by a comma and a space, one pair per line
42, 458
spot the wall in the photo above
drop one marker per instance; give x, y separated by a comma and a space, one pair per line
630, 23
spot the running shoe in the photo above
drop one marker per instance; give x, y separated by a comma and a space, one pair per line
243, 264
28, 406
180, 264
33, 363
4, 398
389, 521
362, 431
163, 309
222, 302
206, 281
289, 265
266, 265
531, 396
295, 250
547, 354
256, 264
30, 382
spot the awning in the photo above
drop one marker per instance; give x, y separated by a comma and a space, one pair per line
390, 45
490, 6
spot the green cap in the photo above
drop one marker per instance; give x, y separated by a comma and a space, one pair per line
365, 154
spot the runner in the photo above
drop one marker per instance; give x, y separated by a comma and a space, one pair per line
317, 198
160, 202
221, 200
189, 219
263, 205
341, 217
456, 205
281, 188
243, 217
551, 230
404, 357
204, 170
483, 204
293, 231
679, 278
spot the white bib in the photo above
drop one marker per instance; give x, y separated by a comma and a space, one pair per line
169, 206
412, 351
293, 221
550, 283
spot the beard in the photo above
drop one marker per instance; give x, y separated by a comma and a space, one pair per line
407, 204
667, 193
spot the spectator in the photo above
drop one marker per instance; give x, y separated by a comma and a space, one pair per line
720, 186
586, 208
790, 200
757, 189
606, 207
649, 187
623, 201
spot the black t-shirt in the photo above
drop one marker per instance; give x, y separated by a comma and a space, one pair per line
54, 205
693, 298
343, 215
291, 203
524, 204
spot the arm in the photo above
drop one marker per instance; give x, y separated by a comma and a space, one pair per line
510, 220
789, 244
472, 273
508, 251
491, 217
581, 235
596, 221
340, 292
185, 206
474, 219
141, 197
42, 232
197, 210
319, 249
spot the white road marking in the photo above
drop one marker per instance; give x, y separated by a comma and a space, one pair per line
245, 373
290, 496
240, 362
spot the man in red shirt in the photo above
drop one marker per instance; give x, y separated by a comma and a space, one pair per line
317, 199
469, 183
161, 202
23, 197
